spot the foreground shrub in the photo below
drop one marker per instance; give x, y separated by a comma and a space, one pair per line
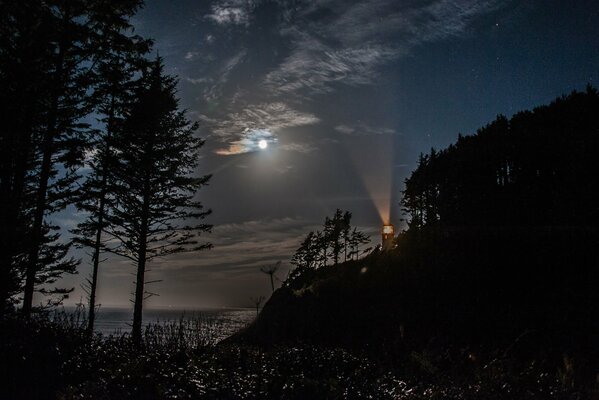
47, 360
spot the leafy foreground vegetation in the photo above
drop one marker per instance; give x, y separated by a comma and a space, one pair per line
58, 360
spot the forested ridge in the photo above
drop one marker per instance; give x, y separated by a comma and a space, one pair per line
538, 168
500, 253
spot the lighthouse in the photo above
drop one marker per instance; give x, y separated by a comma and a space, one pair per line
387, 237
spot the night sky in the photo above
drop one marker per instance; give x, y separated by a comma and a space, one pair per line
347, 95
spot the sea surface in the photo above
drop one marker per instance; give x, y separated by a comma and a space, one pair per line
117, 321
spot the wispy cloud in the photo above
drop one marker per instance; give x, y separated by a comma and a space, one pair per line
330, 43
243, 130
363, 129
198, 81
214, 81
191, 55
299, 147
350, 47
249, 142
256, 242
232, 12
317, 67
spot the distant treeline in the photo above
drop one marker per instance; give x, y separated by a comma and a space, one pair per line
538, 168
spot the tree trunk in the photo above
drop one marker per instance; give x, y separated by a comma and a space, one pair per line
12, 194
38, 222
141, 266
42, 191
96, 258
139, 295
98, 242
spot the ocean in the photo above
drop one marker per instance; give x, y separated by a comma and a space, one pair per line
228, 320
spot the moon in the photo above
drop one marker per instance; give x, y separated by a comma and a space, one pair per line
263, 144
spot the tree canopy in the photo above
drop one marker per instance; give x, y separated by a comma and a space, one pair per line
537, 168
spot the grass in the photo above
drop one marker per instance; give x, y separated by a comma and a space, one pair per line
54, 358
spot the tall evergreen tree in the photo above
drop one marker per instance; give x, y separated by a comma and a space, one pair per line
153, 207
62, 135
50, 53
43, 48
120, 58
24, 54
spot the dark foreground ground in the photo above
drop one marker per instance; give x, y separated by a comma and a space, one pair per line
43, 360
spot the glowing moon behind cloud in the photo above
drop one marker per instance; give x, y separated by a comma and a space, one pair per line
252, 140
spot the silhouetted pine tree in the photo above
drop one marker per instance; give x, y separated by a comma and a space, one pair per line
306, 255
51, 54
156, 154
322, 248
24, 54
334, 229
119, 62
62, 135
356, 239
43, 48
337, 236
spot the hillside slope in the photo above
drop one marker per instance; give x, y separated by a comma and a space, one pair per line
502, 244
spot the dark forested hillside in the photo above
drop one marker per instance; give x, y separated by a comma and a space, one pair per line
538, 168
501, 252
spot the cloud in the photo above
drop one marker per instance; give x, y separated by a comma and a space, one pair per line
241, 129
298, 147
239, 248
332, 43
198, 81
190, 55
362, 130
351, 45
248, 143
231, 12
222, 76
316, 67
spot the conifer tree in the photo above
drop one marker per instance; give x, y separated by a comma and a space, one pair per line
356, 239
154, 213
337, 236
62, 135
44, 46
76, 35
24, 51
119, 61
305, 256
